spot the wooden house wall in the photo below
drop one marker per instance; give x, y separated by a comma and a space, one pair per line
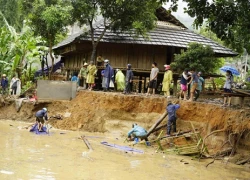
140, 56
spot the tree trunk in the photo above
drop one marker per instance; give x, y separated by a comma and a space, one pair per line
42, 64
157, 122
93, 55
52, 60
30, 72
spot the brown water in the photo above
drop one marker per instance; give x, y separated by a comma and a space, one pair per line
24, 155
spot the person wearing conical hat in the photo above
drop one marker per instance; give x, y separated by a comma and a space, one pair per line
168, 77
83, 75
91, 72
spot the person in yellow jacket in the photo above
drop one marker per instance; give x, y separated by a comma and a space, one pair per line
91, 72
120, 80
168, 77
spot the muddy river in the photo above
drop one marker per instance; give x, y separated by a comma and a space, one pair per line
62, 155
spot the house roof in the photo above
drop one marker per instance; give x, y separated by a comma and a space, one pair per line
170, 33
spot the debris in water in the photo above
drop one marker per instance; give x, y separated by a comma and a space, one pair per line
6, 172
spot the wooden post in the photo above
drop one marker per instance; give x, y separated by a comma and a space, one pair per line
157, 123
140, 84
85, 140
175, 86
144, 85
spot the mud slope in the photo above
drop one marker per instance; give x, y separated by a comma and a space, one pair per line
90, 110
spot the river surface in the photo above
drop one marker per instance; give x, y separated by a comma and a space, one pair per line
62, 155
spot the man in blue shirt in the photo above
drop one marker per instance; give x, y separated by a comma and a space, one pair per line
171, 109
40, 116
4, 84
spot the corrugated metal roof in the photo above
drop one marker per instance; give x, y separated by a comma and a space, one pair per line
161, 35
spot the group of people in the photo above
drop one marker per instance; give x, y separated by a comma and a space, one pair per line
86, 75
191, 78
15, 85
88, 72
195, 81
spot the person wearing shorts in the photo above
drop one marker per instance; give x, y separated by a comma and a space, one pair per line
40, 116
194, 80
153, 79
184, 84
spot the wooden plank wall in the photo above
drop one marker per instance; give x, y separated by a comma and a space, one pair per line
140, 56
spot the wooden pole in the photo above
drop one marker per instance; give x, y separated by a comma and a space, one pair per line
175, 86
85, 140
140, 84
157, 123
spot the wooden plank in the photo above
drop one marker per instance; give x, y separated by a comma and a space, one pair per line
85, 140
163, 116
241, 91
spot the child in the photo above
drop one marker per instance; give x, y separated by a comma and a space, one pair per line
129, 79
171, 109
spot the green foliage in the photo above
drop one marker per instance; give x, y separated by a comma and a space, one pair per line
219, 82
49, 18
27, 85
206, 31
229, 20
197, 57
18, 50
11, 9
119, 16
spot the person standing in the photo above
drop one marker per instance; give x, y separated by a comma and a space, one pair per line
171, 109
168, 77
184, 84
41, 115
91, 72
194, 80
83, 74
199, 87
153, 79
228, 88
120, 80
129, 79
4, 84
108, 75
15, 86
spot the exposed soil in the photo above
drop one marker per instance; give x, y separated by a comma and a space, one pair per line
113, 112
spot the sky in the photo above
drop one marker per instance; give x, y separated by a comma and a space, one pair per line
180, 15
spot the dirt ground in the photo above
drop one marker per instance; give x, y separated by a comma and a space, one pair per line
115, 113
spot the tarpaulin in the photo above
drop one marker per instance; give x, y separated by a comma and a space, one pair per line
34, 129
122, 148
